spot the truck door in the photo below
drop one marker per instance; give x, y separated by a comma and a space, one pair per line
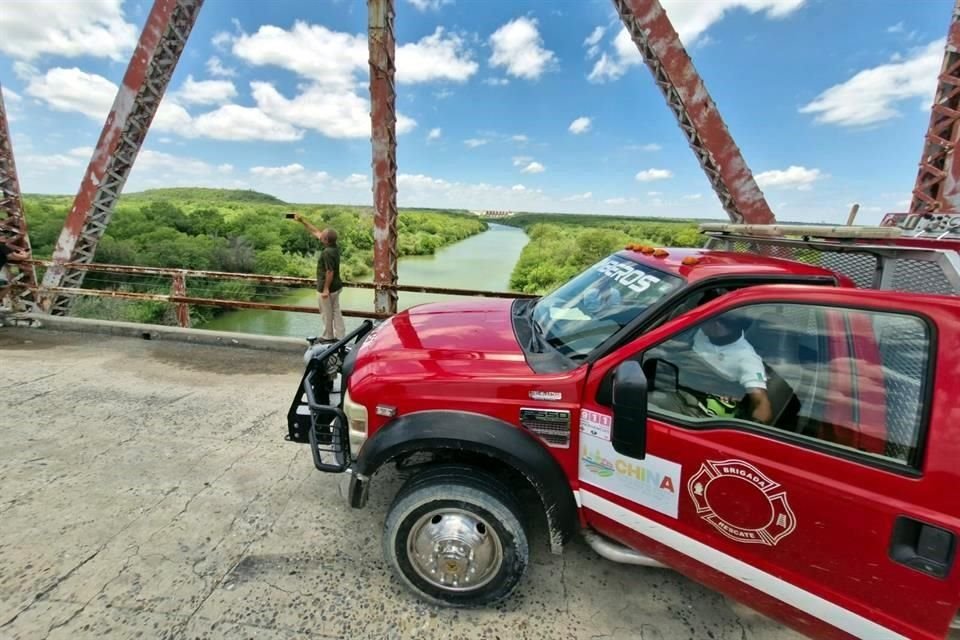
817, 501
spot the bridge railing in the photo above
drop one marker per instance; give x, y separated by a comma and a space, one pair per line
192, 287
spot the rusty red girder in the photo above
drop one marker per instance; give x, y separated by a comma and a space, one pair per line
383, 120
148, 75
13, 224
699, 118
938, 182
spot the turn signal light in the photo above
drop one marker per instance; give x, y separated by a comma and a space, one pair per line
689, 261
647, 250
660, 253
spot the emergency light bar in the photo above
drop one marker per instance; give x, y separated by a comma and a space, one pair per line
812, 230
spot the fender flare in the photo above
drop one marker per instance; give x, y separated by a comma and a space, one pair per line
476, 433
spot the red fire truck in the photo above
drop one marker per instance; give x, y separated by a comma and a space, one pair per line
772, 416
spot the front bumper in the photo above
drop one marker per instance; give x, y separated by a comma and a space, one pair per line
316, 414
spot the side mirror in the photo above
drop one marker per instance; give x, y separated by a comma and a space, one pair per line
629, 436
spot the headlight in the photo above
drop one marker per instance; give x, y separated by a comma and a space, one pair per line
356, 421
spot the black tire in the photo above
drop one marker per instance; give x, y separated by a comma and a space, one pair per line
468, 496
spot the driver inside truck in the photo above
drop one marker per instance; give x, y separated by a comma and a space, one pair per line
721, 343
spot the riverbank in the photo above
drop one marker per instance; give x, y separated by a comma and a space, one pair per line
483, 261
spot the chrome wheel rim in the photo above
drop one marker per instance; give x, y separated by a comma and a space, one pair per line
454, 550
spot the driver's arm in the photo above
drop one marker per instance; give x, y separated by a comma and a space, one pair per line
760, 408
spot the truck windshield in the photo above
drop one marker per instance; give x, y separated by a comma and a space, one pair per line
584, 312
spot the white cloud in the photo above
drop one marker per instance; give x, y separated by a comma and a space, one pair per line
691, 20
435, 57
330, 58
871, 95
473, 143
793, 177
518, 187
215, 68
92, 28
654, 194
615, 201
651, 175
592, 42
693, 196
233, 122
521, 138
595, 36
205, 91
896, 28
580, 125
518, 48
226, 167
222, 39
336, 114
579, 196
496, 82
273, 172
533, 167
653, 146
73, 90
335, 59
434, 134
11, 97
76, 157
424, 5
519, 161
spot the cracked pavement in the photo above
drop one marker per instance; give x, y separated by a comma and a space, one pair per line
148, 492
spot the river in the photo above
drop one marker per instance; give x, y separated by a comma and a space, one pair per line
484, 261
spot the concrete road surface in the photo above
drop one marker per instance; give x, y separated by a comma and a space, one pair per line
147, 492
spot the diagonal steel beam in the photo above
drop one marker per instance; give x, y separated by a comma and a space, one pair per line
698, 115
13, 223
148, 75
937, 188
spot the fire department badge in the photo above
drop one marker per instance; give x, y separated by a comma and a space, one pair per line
741, 502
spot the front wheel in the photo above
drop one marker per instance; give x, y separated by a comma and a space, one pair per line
453, 535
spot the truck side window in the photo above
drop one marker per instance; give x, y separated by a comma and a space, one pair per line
855, 379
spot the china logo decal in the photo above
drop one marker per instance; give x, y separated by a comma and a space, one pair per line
741, 502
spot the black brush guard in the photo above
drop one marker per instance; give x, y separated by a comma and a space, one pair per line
316, 413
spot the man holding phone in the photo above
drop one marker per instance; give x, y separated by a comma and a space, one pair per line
329, 283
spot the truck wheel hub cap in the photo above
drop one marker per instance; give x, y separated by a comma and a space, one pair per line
454, 549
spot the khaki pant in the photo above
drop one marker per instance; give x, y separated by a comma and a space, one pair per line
332, 318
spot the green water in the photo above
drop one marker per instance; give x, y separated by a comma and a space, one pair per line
483, 261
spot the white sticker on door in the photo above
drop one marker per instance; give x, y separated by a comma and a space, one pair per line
595, 424
652, 482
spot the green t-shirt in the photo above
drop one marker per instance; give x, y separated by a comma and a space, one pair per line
329, 260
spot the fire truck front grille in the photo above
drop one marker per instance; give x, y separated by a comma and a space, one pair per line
551, 425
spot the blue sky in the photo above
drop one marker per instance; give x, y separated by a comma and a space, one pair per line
512, 104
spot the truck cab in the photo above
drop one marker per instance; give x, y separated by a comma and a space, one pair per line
755, 421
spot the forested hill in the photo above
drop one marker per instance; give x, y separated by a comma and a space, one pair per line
203, 195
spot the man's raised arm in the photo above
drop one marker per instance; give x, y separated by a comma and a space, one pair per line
316, 233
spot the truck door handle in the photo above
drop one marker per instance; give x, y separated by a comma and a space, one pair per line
923, 547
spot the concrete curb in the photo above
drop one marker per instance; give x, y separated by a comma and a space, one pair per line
160, 332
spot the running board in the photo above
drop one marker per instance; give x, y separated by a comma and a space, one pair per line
616, 552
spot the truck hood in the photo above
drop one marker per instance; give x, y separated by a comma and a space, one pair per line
473, 338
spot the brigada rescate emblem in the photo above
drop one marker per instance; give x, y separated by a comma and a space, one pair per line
741, 502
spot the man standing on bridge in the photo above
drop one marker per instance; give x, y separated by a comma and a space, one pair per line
329, 284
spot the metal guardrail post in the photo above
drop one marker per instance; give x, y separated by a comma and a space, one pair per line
178, 288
